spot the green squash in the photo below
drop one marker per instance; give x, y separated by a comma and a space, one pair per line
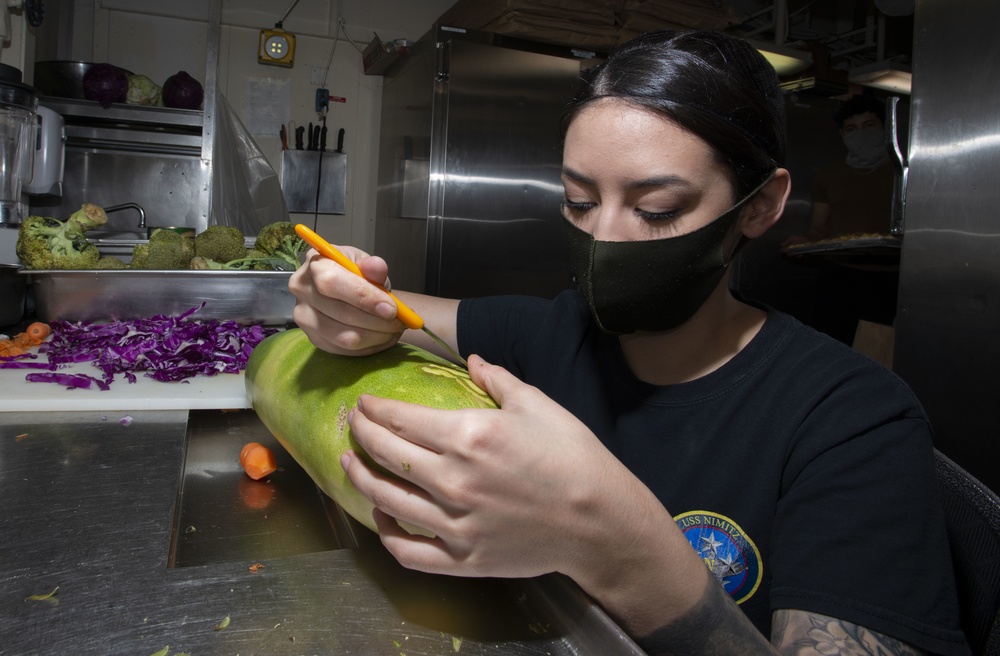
303, 395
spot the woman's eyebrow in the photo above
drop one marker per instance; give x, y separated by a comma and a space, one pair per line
644, 183
660, 181
576, 176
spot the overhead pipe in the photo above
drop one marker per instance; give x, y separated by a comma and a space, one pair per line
880, 38
780, 22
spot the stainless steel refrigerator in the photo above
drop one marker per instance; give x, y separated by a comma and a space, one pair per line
469, 160
948, 323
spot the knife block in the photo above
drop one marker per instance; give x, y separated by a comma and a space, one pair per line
303, 172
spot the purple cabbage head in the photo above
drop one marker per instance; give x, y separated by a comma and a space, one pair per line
182, 91
106, 84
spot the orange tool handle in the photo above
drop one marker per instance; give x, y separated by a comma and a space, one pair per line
403, 312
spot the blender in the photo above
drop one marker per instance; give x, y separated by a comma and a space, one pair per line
18, 111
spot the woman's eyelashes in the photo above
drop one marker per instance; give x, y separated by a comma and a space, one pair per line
657, 216
573, 209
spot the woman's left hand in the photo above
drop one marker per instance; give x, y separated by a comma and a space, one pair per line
512, 492
518, 492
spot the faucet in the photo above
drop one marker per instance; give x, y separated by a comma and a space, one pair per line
126, 206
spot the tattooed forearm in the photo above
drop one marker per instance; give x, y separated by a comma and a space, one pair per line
798, 633
715, 626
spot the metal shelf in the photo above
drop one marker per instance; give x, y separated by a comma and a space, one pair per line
90, 112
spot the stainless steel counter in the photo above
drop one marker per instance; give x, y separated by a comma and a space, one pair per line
143, 529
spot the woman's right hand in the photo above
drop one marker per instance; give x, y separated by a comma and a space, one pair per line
340, 312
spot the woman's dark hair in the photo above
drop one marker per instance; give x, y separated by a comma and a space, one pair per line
714, 85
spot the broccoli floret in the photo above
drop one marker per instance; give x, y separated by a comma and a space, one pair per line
255, 260
220, 243
271, 235
166, 250
89, 216
110, 263
140, 252
277, 248
48, 243
204, 264
279, 240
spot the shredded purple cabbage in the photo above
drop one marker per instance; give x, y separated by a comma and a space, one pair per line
18, 362
159, 347
70, 381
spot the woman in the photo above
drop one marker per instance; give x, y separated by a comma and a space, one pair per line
653, 423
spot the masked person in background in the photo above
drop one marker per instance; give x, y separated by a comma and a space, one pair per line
852, 197
713, 473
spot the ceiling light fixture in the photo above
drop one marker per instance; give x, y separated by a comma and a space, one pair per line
786, 61
885, 75
277, 47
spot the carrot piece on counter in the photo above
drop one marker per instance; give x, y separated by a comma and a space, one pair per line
38, 331
257, 460
9, 349
34, 335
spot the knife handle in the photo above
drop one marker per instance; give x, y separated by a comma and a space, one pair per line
409, 318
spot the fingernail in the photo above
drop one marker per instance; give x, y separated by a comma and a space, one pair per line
345, 460
385, 310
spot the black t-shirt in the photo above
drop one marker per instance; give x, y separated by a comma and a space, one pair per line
800, 470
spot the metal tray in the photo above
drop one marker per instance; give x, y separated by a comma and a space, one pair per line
12, 294
88, 295
877, 253
864, 244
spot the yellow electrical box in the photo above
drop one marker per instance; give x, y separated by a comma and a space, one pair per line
277, 48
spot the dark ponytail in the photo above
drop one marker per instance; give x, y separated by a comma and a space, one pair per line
714, 85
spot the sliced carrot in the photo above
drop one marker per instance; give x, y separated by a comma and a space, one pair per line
249, 446
34, 335
10, 349
38, 331
257, 460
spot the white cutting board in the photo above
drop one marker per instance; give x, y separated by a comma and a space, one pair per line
219, 392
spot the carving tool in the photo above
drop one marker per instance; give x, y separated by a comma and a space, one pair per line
405, 314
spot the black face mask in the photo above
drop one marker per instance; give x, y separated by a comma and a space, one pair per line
651, 285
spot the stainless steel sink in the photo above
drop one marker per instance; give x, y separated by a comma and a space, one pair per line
223, 515
91, 503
